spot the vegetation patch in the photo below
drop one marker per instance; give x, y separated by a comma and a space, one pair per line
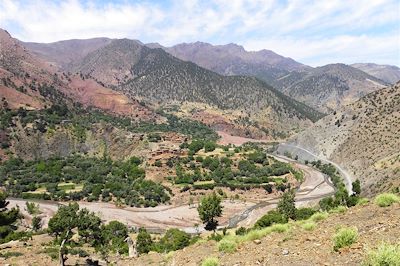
319, 216
211, 261
227, 246
344, 237
384, 254
309, 226
386, 199
10, 254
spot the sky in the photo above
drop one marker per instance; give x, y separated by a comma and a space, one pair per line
313, 32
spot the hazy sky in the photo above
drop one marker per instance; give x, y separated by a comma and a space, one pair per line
312, 32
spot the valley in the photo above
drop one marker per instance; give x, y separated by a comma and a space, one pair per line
120, 151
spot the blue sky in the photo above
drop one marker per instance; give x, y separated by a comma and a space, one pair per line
314, 32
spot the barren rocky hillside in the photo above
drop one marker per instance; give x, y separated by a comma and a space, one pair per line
390, 74
363, 137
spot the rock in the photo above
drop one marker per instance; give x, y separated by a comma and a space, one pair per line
310, 238
285, 252
11, 244
257, 241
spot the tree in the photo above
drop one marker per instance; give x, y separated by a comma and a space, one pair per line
356, 187
209, 146
144, 243
65, 219
89, 226
7, 217
286, 205
113, 237
209, 208
36, 223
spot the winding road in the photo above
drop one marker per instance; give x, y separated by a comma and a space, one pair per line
295, 150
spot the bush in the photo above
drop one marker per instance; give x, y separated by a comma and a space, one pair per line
272, 217
227, 246
309, 226
386, 199
10, 254
362, 201
241, 231
144, 241
385, 254
344, 237
279, 228
338, 209
319, 216
174, 239
211, 261
304, 213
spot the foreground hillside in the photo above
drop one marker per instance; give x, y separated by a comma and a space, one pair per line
363, 137
296, 243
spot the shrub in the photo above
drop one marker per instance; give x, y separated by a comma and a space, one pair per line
385, 254
304, 213
174, 239
279, 228
241, 231
216, 237
227, 246
211, 261
344, 237
362, 201
319, 216
338, 209
272, 217
144, 241
10, 254
386, 199
309, 226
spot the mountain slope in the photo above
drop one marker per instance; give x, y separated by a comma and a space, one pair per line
324, 88
363, 137
159, 78
232, 59
390, 74
63, 53
331, 86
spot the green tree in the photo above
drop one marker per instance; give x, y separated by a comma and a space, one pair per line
209, 146
286, 206
36, 223
89, 226
209, 208
65, 219
144, 243
113, 237
357, 187
7, 217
